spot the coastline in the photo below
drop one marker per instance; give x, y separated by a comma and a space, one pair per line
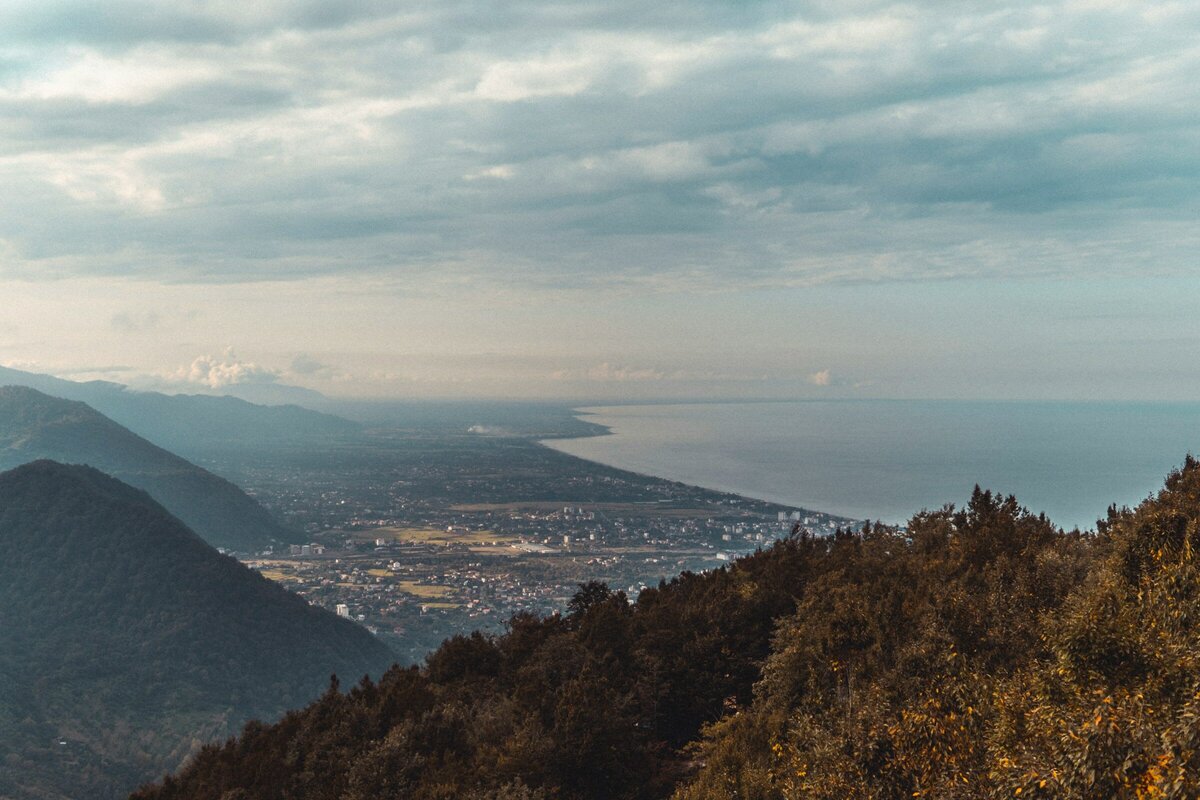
889, 460
602, 430
595, 429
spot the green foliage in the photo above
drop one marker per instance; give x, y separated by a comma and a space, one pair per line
125, 641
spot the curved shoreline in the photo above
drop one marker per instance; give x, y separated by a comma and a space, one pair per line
891, 459
555, 443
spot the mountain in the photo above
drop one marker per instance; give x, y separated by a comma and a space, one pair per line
977, 653
192, 424
278, 394
126, 641
36, 426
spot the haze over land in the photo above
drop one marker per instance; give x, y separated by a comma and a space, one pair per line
601, 200
35, 426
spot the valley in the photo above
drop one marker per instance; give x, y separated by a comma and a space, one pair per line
419, 535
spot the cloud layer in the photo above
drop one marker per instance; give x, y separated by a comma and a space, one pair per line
695, 146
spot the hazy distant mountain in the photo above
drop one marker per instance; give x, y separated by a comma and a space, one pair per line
277, 394
125, 640
35, 426
191, 424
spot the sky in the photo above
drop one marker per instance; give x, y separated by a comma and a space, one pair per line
604, 200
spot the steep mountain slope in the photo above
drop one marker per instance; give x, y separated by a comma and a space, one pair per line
125, 640
36, 426
979, 653
191, 424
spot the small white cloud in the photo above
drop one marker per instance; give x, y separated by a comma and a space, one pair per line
821, 378
548, 76
499, 172
305, 368
617, 373
304, 364
608, 372
227, 370
101, 180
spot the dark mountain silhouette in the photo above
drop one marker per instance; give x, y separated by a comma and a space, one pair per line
126, 641
190, 424
36, 426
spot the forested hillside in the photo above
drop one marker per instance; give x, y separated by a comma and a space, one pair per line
126, 641
37, 426
981, 653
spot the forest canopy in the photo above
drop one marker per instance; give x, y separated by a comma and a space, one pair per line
978, 652
126, 641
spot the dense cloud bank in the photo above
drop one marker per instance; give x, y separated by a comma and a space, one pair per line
684, 145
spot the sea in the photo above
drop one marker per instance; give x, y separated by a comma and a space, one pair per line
887, 459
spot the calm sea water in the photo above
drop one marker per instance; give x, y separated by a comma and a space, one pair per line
888, 459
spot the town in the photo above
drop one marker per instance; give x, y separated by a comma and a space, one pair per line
422, 538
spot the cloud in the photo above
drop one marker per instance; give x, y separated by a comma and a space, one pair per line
134, 322
227, 370
112, 372
140, 76
159, 321
304, 364
611, 373
684, 146
821, 378
607, 372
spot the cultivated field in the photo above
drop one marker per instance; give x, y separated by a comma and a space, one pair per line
436, 536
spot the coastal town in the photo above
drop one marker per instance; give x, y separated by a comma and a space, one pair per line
441, 543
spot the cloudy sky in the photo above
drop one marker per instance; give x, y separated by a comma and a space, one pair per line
605, 199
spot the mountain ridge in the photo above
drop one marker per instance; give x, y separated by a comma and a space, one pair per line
126, 641
34, 425
192, 424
